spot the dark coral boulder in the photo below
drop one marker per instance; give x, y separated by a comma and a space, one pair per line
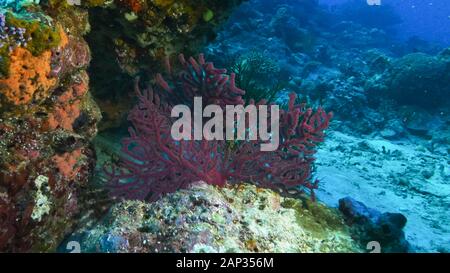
419, 79
372, 226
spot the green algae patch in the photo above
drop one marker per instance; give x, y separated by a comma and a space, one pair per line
4, 62
64, 4
163, 3
95, 3
208, 15
315, 217
40, 37
43, 37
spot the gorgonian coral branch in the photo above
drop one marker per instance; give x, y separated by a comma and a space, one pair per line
153, 163
289, 168
199, 78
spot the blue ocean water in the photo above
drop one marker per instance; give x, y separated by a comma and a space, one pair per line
426, 19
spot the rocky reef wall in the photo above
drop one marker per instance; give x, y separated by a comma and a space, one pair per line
49, 98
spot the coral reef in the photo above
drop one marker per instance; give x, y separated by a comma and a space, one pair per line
48, 116
389, 139
198, 78
288, 28
208, 219
154, 163
47, 119
142, 34
33, 32
29, 77
11, 35
36, 188
417, 79
258, 74
65, 65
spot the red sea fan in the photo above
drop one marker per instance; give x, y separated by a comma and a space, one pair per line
301, 130
199, 78
289, 168
153, 163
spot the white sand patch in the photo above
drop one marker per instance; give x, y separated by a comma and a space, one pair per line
391, 177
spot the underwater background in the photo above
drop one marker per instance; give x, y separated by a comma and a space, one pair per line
87, 163
425, 19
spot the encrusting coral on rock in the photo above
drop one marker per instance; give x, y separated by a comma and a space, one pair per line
141, 35
48, 115
205, 218
47, 119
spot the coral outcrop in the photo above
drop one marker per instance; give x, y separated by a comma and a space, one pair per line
141, 35
419, 79
47, 119
48, 115
205, 218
